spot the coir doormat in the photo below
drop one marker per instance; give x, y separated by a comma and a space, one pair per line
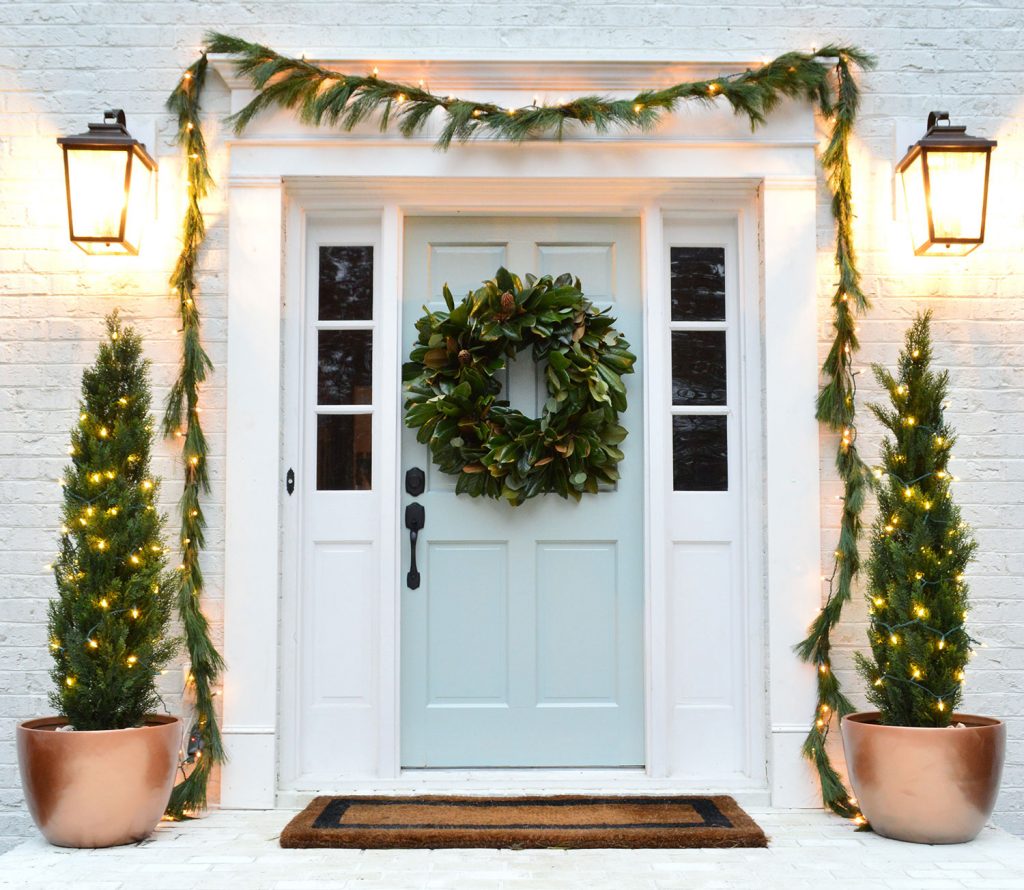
522, 822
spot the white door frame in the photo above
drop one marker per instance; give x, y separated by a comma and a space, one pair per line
271, 190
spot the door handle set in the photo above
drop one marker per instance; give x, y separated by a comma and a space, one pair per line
415, 519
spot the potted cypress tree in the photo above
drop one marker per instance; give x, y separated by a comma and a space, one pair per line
101, 773
921, 771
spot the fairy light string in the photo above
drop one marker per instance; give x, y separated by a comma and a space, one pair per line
324, 97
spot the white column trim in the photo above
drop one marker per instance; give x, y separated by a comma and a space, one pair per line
252, 500
792, 485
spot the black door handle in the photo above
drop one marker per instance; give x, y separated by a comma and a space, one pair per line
415, 517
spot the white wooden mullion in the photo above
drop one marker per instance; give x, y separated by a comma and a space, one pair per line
344, 409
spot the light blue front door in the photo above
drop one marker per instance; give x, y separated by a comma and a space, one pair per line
523, 645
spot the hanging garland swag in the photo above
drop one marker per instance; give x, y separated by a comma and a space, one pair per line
324, 97
495, 450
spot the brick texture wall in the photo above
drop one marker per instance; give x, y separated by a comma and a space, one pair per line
62, 63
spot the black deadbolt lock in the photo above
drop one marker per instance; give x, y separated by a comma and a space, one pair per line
415, 482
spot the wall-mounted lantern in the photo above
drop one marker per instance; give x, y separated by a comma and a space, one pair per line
109, 178
945, 182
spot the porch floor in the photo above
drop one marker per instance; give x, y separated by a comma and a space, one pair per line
238, 849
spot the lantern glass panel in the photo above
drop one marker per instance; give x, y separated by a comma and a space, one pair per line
956, 181
139, 202
96, 192
917, 203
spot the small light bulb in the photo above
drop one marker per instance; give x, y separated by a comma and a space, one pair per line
104, 432
132, 659
70, 681
104, 603
93, 644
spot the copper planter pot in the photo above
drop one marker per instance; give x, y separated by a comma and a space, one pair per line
99, 788
922, 784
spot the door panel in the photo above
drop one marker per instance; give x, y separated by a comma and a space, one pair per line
523, 646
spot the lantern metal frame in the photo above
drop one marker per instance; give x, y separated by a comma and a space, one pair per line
947, 138
111, 135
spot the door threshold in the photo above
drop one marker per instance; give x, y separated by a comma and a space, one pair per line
509, 782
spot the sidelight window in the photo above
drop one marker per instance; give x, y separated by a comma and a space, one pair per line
344, 368
700, 397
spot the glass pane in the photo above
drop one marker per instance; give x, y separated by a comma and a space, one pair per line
344, 368
346, 283
697, 283
700, 459
343, 452
96, 180
956, 182
698, 368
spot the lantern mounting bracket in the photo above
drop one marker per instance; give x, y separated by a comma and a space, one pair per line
935, 116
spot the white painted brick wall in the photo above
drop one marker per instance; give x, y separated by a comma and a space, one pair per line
63, 63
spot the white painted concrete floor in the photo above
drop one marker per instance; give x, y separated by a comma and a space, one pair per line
238, 849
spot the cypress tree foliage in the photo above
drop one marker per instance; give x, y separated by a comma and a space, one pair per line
920, 547
108, 624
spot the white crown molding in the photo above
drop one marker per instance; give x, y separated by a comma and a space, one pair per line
524, 73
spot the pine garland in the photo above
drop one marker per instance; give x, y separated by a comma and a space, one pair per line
837, 410
323, 97
181, 418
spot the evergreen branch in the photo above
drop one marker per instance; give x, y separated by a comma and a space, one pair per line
181, 418
837, 410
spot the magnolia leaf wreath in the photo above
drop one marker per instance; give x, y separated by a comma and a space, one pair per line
496, 451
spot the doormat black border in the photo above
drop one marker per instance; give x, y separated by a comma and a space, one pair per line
723, 823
